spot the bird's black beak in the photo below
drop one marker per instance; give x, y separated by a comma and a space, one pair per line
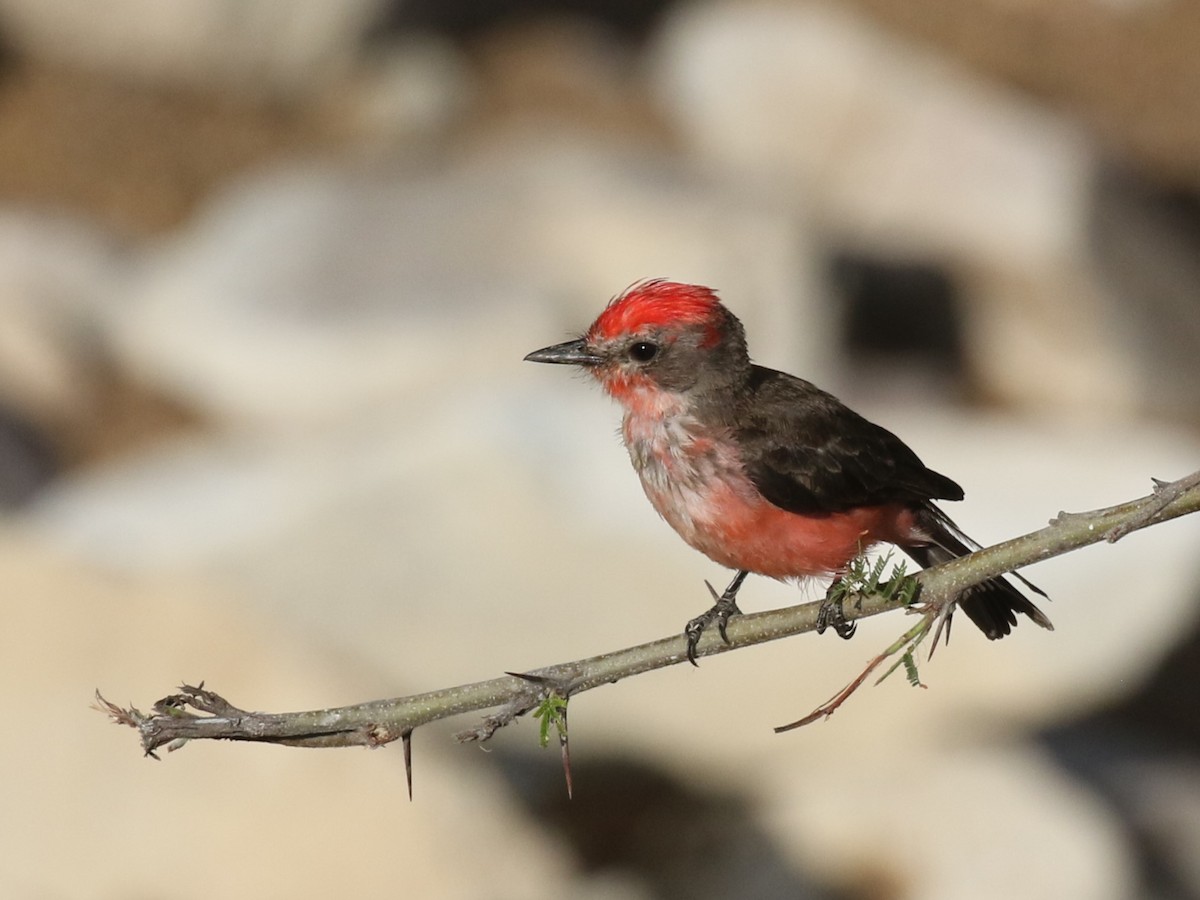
572, 353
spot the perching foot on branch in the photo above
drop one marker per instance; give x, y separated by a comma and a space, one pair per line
721, 612
833, 614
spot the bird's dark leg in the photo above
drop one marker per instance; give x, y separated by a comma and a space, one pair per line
722, 611
832, 615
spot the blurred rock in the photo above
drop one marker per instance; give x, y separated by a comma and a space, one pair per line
888, 143
263, 47
234, 821
1162, 797
679, 836
1152, 782
1141, 753
314, 292
408, 90
1146, 109
467, 19
1147, 247
987, 821
901, 326
134, 155
898, 151
567, 70
64, 403
64, 400
58, 279
1160, 710
27, 461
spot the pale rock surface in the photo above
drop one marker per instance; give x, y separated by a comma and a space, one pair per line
59, 279
899, 151
269, 47
891, 143
976, 821
1163, 799
220, 819
408, 89
311, 293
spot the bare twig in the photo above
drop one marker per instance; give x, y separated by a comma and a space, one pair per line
1165, 493
195, 713
906, 642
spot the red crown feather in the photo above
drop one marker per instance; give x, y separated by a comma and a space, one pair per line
656, 303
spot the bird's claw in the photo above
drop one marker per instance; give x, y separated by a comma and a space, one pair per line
721, 612
832, 615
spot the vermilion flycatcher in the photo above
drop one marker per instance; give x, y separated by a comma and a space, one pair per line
759, 470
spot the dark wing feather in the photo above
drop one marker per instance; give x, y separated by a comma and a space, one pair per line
808, 453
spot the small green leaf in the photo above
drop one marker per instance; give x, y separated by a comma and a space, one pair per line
551, 711
866, 578
910, 669
907, 646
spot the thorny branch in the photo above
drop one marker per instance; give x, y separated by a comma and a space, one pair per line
195, 713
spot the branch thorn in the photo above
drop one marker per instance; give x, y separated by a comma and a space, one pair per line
406, 740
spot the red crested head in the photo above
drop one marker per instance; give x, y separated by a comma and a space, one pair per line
659, 340
658, 304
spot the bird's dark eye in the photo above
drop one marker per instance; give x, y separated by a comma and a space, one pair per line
643, 351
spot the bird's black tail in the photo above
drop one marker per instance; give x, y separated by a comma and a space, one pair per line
993, 604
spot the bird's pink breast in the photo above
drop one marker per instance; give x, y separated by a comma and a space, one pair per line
760, 537
695, 480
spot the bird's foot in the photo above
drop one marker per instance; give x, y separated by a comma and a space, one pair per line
832, 615
721, 612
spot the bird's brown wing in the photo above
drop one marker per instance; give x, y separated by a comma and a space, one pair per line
810, 454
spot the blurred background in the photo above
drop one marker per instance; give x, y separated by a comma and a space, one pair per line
267, 273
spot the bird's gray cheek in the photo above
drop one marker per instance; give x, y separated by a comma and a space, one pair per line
676, 376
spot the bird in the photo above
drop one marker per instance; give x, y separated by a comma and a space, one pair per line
761, 471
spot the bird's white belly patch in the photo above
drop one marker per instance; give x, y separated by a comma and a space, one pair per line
681, 469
